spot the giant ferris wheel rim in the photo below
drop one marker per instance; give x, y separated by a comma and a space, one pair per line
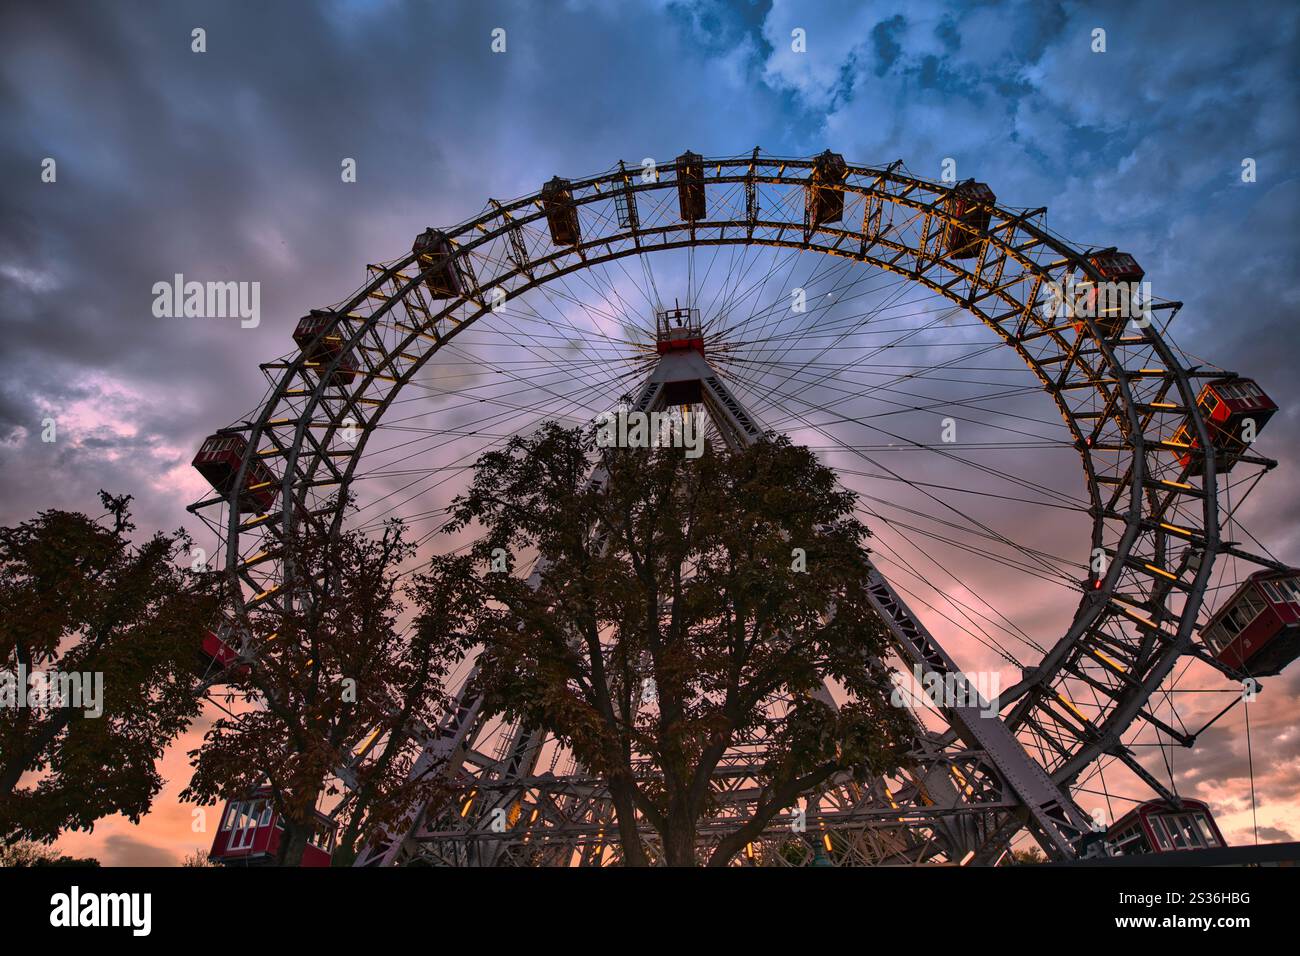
1015, 236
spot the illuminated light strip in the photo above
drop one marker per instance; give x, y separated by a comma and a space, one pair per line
365, 744
1168, 575
962, 781
255, 559
1074, 710
1135, 616
1112, 664
432, 337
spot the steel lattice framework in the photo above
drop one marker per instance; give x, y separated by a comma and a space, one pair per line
1122, 397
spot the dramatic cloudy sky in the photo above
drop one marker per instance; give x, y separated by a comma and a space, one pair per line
225, 165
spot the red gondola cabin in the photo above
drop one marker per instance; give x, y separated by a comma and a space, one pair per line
443, 278
824, 194
218, 461
1257, 630
972, 205
679, 330
1112, 315
561, 212
1235, 410
323, 352
250, 834
690, 186
1156, 827
217, 652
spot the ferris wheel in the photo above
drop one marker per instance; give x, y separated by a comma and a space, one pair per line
1030, 449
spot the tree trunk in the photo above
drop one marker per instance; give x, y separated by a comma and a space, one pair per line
679, 840
12, 770
293, 844
625, 816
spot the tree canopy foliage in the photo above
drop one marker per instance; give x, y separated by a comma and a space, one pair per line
674, 619
332, 689
77, 597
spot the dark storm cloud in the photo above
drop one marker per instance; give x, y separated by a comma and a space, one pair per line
1274, 835
225, 166
121, 850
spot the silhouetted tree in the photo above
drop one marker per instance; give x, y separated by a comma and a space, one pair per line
199, 859
29, 853
1027, 857
334, 684
671, 613
76, 596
